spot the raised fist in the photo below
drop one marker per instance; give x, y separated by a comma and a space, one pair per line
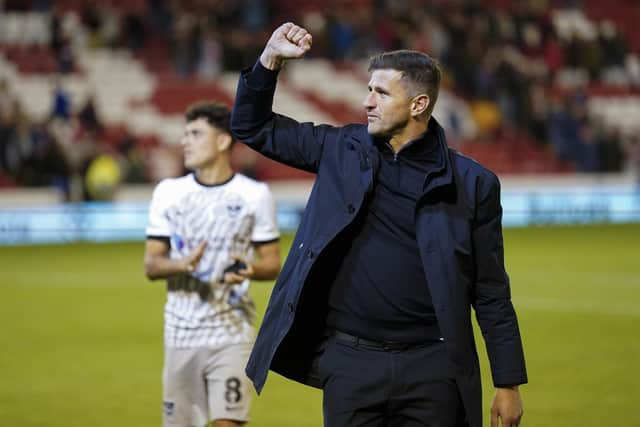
288, 41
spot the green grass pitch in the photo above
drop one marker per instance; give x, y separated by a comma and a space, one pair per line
81, 334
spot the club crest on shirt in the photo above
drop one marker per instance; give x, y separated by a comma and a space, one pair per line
234, 209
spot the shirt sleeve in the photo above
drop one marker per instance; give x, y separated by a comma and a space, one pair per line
266, 226
158, 223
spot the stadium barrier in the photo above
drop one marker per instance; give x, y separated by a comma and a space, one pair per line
36, 218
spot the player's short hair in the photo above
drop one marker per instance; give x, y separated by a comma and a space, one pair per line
420, 72
216, 114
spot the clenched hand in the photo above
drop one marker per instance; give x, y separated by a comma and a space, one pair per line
288, 41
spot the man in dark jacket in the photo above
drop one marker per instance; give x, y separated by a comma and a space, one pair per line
400, 237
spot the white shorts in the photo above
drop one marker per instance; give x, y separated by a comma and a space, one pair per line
201, 385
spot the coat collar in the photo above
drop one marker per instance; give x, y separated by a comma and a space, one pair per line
441, 176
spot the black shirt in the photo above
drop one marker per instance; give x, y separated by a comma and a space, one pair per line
380, 290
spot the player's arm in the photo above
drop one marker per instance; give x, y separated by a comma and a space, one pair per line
158, 265
266, 266
253, 121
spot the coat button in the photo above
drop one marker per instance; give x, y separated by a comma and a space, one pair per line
290, 307
310, 254
351, 209
301, 246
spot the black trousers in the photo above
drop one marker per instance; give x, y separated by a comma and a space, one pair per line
371, 385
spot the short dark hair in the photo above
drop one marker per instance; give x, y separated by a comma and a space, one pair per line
216, 114
419, 71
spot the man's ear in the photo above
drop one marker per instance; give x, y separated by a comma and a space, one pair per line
420, 104
224, 141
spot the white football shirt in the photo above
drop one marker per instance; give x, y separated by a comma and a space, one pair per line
200, 310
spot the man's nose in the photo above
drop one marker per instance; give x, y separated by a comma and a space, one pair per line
368, 101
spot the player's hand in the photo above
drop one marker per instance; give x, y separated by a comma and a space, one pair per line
288, 41
241, 275
506, 406
191, 261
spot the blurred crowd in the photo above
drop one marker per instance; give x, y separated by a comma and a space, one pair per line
515, 68
67, 150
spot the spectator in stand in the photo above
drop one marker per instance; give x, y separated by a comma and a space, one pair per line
633, 151
563, 130
610, 149
91, 18
88, 117
133, 160
6, 97
553, 54
256, 14
50, 161
341, 34
185, 42
60, 44
17, 146
6, 121
134, 32
210, 62
614, 48
539, 112
160, 16
61, 107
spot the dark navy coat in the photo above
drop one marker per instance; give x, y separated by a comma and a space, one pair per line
459, 234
